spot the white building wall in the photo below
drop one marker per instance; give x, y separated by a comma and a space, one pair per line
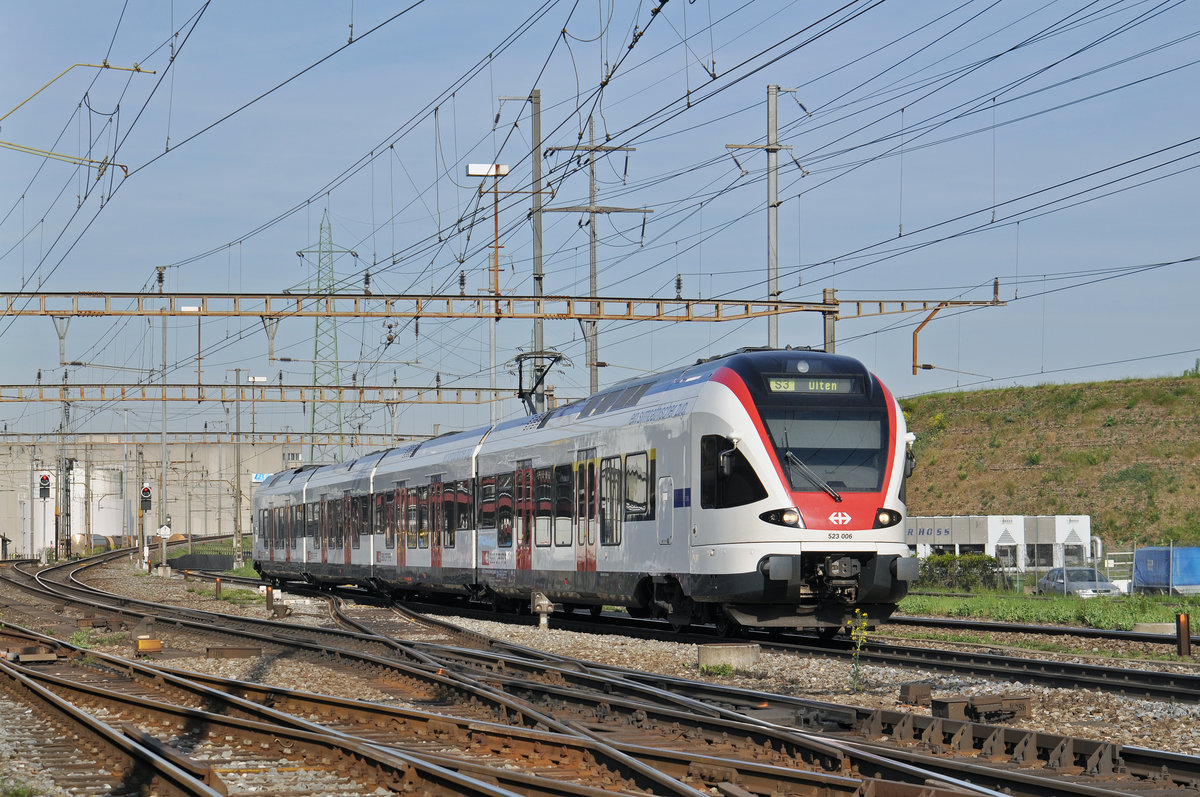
927, 533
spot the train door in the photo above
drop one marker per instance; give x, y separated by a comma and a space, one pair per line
289, 536
325, 530
585, 511
401, 533
524, 515
349, 527
666, 509
266, 523
437, 522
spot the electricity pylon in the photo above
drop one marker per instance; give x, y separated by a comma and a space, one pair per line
325, 417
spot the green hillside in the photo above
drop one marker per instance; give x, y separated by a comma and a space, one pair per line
1127, 453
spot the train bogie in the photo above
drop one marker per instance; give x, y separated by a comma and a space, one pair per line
761, 489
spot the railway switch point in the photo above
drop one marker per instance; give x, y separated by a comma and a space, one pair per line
232, 652
29, 654
981, 708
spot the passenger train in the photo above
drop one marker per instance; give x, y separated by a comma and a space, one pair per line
764, 488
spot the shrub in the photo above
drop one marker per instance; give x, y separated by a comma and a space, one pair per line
966, 572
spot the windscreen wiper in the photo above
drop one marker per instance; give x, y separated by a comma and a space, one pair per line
812, 476
808, 472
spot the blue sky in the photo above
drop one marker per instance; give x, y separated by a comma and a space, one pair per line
937, 147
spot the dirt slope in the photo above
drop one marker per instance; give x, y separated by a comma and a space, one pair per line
1127, 453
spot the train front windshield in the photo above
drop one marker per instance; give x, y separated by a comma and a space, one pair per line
845, 449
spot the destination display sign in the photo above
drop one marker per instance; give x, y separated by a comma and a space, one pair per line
813, 384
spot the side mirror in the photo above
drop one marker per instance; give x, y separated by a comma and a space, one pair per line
725, 462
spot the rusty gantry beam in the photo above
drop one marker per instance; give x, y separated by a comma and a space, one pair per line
286, 305
262, 393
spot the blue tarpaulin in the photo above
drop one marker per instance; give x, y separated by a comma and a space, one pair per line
1164, 568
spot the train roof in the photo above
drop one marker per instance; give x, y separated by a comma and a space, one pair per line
749, 363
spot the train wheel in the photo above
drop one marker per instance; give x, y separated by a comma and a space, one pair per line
595, 610
727, 626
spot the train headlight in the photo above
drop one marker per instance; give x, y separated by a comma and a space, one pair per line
782, 517
887, 517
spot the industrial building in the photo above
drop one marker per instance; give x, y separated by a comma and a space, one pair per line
1019, 542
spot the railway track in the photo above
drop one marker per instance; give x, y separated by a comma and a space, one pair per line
620, 721
1148, 683
994, 626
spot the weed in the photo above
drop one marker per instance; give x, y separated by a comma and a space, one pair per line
10, 788
87, 637
716, 670
858, 635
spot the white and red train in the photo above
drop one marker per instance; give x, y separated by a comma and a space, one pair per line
763, 488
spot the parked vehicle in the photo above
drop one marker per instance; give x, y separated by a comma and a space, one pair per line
1166, 570
1086, 582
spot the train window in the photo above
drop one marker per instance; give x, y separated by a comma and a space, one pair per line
735, 484
466, 505
423, 517
632, 395
607, 402
845, 449
487, 502
590, 406
563, 512
543, 505
639, 475
504, 510
310, 520
611, 500
410, 533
